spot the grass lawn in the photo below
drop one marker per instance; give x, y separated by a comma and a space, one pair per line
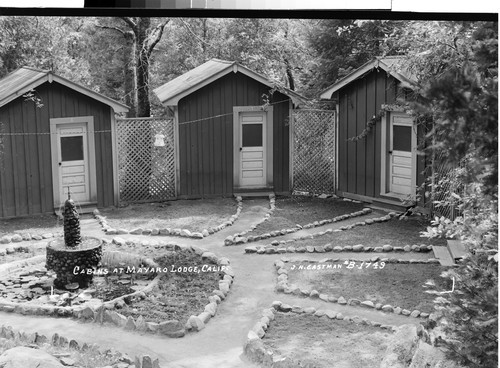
193, 215
302, 210
325, 343
395, 232
400, 285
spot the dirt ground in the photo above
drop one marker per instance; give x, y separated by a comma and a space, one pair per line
400, 285
325, 343
193, 215
395, 232
181, 293
35, 225
302, 210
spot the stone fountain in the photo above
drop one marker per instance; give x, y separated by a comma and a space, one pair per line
74, 258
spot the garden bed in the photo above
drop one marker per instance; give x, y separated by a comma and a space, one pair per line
395, 232
181, 292
324, 343
193, 215
301, 210
400, 285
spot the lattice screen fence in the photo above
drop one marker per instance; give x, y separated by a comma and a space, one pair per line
446, 185
146, 171
314, 151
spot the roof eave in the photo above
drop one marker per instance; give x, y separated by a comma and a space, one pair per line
231, 67
377, 63
24, 89
117, 106
50, 77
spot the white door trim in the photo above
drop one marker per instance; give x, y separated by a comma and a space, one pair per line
90, 162
267, 141
386, 149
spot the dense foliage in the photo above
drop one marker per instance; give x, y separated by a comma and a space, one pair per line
460, 94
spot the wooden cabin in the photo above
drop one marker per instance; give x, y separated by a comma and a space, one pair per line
55, 136
382, 167
232, 129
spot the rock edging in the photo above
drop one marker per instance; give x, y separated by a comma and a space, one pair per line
185, 233
283, 286
105, 311
284, 246
39, 340
239, 238
17, 238
170, 328
232, 240
258, 352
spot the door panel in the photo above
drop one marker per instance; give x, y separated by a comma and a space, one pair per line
252, 149
401, 150
73, 171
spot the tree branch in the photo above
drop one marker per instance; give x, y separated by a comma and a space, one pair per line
195, 35
130, 23
159, 33
124, 33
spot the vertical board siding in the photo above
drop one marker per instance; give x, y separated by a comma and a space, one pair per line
361, 151
206, 146
351, 146
359, 165
26, 186
342, 143
371, 146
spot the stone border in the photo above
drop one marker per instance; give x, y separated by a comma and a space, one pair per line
283, 286
7, 332
185, 233
105, 311
281, 246
239, 239
258, 352
17, 238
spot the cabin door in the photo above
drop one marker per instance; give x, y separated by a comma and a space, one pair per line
401, 157
253, 149
73, 161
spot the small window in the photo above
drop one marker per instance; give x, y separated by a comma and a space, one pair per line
252, 135
72, 148
401, 138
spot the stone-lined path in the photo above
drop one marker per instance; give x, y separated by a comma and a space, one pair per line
220, 344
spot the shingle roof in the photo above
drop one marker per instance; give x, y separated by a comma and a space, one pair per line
393, 65
171, 92
25, 79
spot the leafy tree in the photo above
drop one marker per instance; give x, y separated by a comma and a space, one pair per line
342, 45
456, 64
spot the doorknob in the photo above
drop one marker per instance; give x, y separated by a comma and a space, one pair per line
60, 163
241, 148
390, 152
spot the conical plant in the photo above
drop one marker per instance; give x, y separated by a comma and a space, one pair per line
72, 237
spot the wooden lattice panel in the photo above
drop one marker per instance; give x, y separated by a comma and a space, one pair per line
146, 172
445, 183
314, 151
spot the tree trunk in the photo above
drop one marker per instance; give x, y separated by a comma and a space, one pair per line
129, 75
142, 68
289, 75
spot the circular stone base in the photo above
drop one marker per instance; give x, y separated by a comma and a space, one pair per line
73, 264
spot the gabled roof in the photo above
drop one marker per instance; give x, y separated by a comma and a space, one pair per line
171, 92
25, 79
393, 65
